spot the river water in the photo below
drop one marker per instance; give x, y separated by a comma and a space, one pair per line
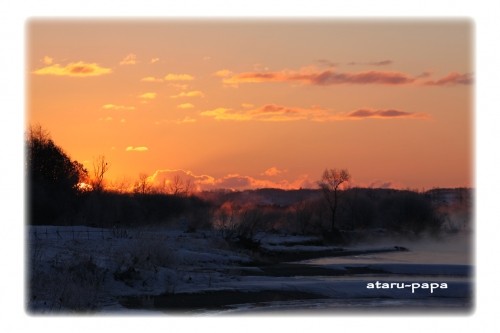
436, 275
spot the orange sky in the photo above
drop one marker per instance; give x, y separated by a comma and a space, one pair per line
258, 103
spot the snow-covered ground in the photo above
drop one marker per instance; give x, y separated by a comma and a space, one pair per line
91, 269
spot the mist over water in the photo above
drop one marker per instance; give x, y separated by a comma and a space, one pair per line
455, 249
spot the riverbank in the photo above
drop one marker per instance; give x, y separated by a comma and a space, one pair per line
91, 270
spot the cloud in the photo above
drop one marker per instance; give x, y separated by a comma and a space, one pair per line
322, 77
383, 114
233, 181
237, 182
327, 63
186, 120
106, 119
373, 63
148, 96
223, 73
163, 178
452, 79
117, 107
151, 79
48, 60
225, 114
74, 69
247, 105
130, 59
381, 63
314, 76
178, 77
185, 106
138, 149
272, 171
273, 112
194, 93
154, 60
178, 86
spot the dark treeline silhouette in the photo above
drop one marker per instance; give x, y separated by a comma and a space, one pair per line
52, 179
360, 212
55, 198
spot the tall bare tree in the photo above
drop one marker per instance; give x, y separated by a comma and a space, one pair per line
100, 167
331, 182
179, 186
143, 185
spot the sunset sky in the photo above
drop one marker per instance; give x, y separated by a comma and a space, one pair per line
258, 103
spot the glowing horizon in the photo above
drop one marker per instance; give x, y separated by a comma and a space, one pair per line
263, 103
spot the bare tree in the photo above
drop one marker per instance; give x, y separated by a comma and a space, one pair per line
100, 167
330, 183
178, 186
142, 185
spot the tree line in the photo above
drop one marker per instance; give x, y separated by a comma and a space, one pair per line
55, 195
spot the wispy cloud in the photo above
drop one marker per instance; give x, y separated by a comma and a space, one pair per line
48, 60
178, 77
186, 120
117, 107
322, 77
372, 63
185, 106
130, 59
327, 63
452, 79
154, 60
151, 79
75, 69
318, 77
223, 73
165, 177
147, 96
232, 181
136, 149
279, 113
384, 114
272, 171
106, 119
194, 93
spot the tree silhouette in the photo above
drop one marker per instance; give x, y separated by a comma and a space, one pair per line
100, 167
330, 183
52, 177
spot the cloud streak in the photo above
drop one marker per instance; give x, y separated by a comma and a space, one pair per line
178, 77
372, 63
117, 107
147, 96
137, 149
272, 171
75, 69
185, 106
151, 79
452, 79
130, 59
279, 113
313, 76
232, 181
383, 114
188, 94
